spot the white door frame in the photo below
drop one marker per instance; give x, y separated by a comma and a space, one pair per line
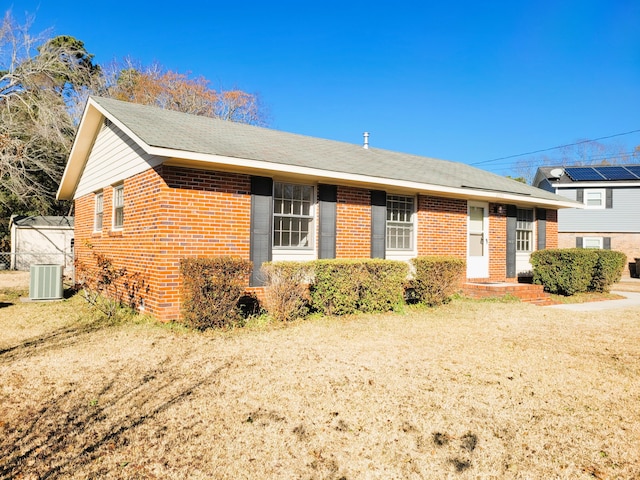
477, 241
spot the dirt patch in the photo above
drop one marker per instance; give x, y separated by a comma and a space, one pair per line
13, 279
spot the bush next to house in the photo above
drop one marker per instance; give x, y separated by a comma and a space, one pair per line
565, 271
211, 288
436, 278
342, 287
286, 294
607, 270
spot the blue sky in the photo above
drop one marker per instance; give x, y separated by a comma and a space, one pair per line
467, 81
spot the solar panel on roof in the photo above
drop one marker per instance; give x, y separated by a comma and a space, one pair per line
579, 174
616, 173
635, 169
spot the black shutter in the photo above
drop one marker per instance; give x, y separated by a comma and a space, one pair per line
260, 242
578, 242
541, 215
328, 197
512, 217
606, 243
378, 223
580, 195
609, 195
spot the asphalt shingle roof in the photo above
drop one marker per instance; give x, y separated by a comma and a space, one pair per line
190, 133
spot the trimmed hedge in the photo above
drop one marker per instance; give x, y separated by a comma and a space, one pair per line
286, 294
211, 288
437, 278
574, 270
342, 287
608, 270
564, 271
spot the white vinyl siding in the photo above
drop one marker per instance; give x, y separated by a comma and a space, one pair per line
621, 218
114, 158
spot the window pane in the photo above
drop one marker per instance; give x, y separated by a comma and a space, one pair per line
593, 199
293, 215
399, 222
524, 230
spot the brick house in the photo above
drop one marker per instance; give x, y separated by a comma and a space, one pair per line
152, 186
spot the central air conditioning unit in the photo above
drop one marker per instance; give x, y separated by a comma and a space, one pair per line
46, 282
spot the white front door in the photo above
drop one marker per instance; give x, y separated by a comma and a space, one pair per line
477, 240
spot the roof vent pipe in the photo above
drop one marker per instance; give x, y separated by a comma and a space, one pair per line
366, 140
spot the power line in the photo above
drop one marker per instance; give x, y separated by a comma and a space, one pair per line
555, 148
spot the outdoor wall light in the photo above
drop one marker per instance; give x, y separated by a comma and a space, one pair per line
499, 209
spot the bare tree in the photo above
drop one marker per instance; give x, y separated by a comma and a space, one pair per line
39, 78
154, 85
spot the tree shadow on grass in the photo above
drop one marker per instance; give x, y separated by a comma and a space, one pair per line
74, 428
59, 338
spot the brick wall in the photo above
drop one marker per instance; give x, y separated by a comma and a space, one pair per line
497, 244
172, 212
442, 226
353, 225
169, 213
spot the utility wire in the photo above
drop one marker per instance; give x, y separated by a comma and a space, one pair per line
555, 148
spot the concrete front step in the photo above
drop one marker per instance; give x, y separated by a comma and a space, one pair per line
526, 292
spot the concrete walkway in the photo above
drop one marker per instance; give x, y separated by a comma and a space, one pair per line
632, 300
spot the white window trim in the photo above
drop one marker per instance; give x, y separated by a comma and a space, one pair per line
599, 240
533, 233
98, 195
279, 254
603, 198
405, 254
115, 207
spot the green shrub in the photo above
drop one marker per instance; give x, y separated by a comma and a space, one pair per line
607, 270
286, 293
211, 288
343, 287
437, 278
382, 285
564, 271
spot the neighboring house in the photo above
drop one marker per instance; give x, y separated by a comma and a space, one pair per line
610, 213
152, 186
41, 240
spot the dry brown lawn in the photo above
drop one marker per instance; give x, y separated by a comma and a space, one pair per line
468, 390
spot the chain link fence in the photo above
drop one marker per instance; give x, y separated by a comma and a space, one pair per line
23, 261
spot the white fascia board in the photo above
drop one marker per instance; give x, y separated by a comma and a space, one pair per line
598, 185
179, 157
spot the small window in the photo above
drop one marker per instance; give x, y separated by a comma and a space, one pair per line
293, 216
399, 222
118, 207
592, 242
524, 230
99, 210
594, 198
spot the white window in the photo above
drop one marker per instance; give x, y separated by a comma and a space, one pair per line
594, 198
99, 206
592, 242
293, 212
400, 222
524, 230
118, 207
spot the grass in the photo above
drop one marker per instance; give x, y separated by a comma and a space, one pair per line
467, 390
